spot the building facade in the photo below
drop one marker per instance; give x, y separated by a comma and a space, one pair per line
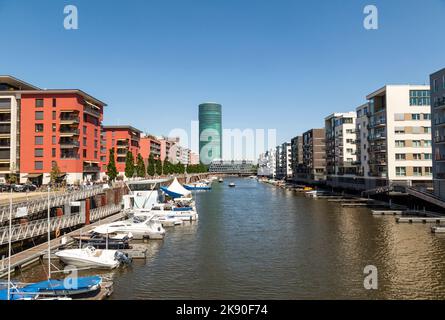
232, 167
41, 129
341, 148
210, 132
296, 155
151, 145
284, 161
314, 157
122, 139
399, 147
437, 82
267, 164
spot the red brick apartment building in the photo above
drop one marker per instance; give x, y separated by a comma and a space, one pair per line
150, 145
39, 128
122, 139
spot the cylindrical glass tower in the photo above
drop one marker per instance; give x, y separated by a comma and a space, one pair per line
210, 132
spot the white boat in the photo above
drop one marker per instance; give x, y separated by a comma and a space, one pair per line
168, 221
220, 180
141, 227
232, 185
90, 257
187, 213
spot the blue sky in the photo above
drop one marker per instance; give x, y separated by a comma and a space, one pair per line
278, 64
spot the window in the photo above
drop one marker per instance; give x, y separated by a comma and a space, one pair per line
53, 140
427, 143
39, 127
417, 171
39, 115
84, 153
349, 150
427, 116
416, 143
415, 116
419, 97
401, 171
399, 130
38, 140
349, 131
95, 143
39, 103
427, 130
54, 115
38, 153
54, 127
38, 165
103, 158
84, 129
400, 156
435, 85
428, 156
54, 102
417, 156
84, 142
53, 152
349, 141
95, 154
428, 171
400, 143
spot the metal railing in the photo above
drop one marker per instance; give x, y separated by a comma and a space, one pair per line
39, 204
40, 227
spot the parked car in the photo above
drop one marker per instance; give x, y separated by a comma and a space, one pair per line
4, 187
24, 187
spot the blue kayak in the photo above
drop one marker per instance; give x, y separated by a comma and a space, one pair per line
53, 288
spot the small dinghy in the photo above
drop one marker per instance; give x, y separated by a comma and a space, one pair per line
53, 289
232, 185
91, 257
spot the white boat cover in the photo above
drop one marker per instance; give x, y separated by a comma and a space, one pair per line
176, 187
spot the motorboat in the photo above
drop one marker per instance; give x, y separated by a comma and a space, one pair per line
316, 193
169, 221
53, 289
232, 185
220, 180
115, 241
91, 257
198, 186
141, 227
185, 213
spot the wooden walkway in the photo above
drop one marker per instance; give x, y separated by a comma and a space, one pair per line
27, 257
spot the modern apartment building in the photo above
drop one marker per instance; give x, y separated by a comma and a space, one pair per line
41, 128
123, 139
314, 157
341, 148
193, 158
284, 161
437, 82
267, 164
151, 145
166, 144
399, 147
296, 155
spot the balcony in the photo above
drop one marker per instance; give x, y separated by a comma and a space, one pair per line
5, 154
440, 103
121, 151
5, 129
91, 111
69, 132
69, 144
69, 117
69, 155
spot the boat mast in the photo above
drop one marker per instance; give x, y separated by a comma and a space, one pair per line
49, 237
9, 243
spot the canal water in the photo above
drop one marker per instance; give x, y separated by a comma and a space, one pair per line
257, 241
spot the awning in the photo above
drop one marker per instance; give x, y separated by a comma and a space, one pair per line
33, 175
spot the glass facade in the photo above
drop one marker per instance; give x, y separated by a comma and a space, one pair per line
210, 132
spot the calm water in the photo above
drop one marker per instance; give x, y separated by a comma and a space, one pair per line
260, 242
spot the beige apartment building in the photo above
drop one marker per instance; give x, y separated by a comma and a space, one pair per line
396, 124
341, 148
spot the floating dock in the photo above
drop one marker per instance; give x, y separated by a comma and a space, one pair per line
387, 212
436, 220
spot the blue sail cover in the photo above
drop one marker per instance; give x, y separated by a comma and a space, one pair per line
53, 287
172, 194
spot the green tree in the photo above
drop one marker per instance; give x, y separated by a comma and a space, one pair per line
167, 168
54, 174
151, 166
111, 167
158, 165
129, 165
140, 166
